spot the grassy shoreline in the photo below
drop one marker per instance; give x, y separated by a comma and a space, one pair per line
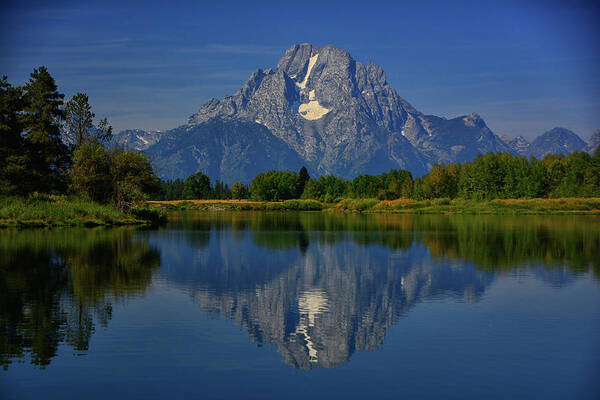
62, 211
436, 206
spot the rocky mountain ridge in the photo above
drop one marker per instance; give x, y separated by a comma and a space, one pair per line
320, 108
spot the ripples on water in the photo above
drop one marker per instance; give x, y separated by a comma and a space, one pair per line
319, 288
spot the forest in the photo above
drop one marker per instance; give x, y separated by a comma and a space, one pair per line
488, 177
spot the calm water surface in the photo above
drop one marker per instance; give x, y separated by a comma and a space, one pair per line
305, 305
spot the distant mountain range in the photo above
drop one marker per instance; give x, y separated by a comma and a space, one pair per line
555, 141
322, 109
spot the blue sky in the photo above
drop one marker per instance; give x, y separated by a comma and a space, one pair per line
525, 67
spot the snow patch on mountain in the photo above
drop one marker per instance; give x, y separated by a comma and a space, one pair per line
311, 64
312, 110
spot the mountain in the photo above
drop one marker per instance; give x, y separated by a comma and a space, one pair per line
324, 110
230, 151
518, 145
339, 116
593, 143
137, 139
555, 141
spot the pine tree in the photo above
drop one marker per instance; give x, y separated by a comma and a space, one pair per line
78, 119
303, 177
79, 122
49, 157
13, 159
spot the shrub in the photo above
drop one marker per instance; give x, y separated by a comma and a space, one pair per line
357, 204
444, 201
154, 215
302, 205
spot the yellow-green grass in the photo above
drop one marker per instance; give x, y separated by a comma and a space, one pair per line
498, 206
50, 211
435, 206
239, 205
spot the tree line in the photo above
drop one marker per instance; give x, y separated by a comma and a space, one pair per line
51, 146
490, 176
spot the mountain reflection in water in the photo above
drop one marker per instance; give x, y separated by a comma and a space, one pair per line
319, 286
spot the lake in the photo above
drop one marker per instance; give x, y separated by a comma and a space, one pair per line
304, 305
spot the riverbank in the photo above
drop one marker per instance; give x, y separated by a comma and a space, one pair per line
57, 211
436, 206
239, 205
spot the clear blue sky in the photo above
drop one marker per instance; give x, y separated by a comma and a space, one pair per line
525, 67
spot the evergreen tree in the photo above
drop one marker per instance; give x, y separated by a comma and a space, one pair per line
13, 157
303, 177
48, 156
196, 186
78, 119
79, 122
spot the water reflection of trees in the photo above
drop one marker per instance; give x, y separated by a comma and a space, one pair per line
55, 286
491, 242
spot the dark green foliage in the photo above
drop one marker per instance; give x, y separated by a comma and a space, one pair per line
133, 179
33, 157
91, 172
78, 118
42, 113
239, 191
392, 185
171, 190
274, 186
155, 216
221, 191
592, 176
79, 123
490, 176
14, 159
303, 177
122, 178
196, 186
504, 176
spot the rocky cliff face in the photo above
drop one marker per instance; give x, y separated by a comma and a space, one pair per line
324, 110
